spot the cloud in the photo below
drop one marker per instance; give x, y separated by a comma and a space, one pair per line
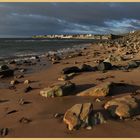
27, 19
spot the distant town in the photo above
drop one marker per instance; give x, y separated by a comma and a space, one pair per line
78, 36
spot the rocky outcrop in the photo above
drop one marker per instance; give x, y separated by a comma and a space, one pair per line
127, 45
58, 90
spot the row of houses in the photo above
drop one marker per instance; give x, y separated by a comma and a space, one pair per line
74, 36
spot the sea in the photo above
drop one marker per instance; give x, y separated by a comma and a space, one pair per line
23, 48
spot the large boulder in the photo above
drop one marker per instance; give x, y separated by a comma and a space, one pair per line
100, 90
69, 70
104, 66
82, 115
4, 67
58, 90
5, 71
123, 107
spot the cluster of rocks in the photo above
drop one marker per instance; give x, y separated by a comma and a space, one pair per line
67, 88
75, 69
87, 68
11, 67
112, 58
107, 65
27, 62
26, 85
82, 115
102, 66
55, 57
128, 44
69, 72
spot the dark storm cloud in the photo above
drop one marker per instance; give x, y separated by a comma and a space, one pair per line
26, 19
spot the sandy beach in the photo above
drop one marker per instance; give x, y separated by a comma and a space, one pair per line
28, 114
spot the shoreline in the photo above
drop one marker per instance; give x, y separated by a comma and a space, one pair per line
41, 110
60, 47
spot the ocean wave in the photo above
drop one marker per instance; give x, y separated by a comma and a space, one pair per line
23, 55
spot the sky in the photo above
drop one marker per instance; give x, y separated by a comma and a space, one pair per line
27, 19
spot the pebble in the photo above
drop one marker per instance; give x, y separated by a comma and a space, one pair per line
14, 82
135, 118
24, 120
4, 131
27, 81
89, 127
58, 115
138, 91
97, 100
12, 87
19, 76
21, 101
27, 89
22, 70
